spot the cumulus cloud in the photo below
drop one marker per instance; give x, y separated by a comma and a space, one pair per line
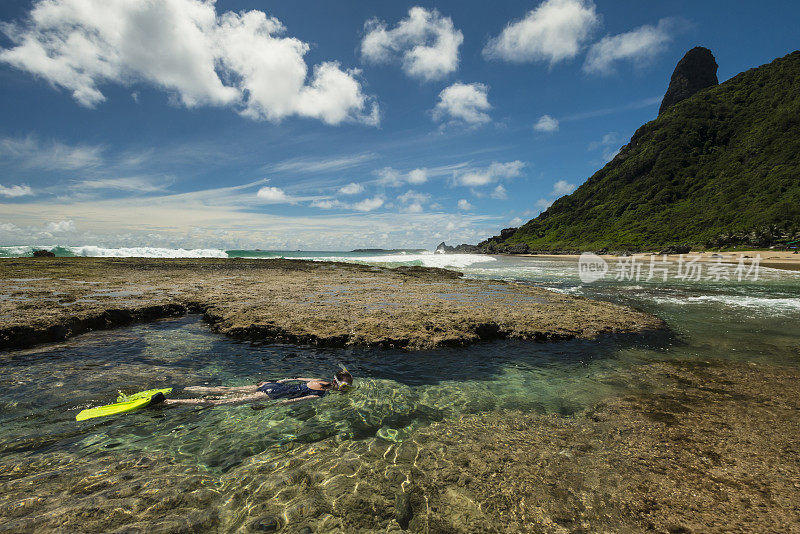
494, 172
553, 32
426, 43
351, 189
500, 192
412, 196
516, 221
461, 102
544, 203
639, 46
463, 204
413, 201
369, 204
546, 123
561, 188
186, 48
273, 195
61, 226
15, 191
390, 177
417, 176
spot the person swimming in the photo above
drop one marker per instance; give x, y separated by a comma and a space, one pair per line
281, 390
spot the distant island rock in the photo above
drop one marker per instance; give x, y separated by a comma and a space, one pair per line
695, 72
43, 254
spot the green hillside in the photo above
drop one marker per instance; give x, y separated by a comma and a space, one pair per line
721, 168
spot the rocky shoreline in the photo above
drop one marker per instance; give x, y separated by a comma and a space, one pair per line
320, 303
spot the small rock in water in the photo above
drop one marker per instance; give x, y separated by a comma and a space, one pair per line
266, 524
402, 509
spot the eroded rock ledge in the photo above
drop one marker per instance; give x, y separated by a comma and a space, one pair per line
336, 304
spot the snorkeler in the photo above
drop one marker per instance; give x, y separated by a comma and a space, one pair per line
311, 388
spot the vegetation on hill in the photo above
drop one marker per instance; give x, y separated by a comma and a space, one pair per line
719, 169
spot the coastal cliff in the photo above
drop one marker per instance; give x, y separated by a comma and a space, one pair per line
717, 168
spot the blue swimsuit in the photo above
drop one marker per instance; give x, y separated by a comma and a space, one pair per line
286, 391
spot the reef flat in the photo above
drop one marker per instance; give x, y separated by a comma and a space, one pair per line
321, 303
707, 447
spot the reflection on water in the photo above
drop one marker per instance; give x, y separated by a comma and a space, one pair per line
339, 462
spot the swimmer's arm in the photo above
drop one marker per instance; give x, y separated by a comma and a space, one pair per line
282, 381
298, 399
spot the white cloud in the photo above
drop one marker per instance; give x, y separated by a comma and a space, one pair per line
369, 204
639, 45
389, 177
316, 165
516, 221
133, 184
351, 189
610, 145
413, 197
546, 123
414, 207
186, 48
426, 42
15, 191
326, 204
463, 204
273, 195
500, 192
553, 32
61, 226
462, 102
561, 188
417, 176
51, 156
543, 203
494, 172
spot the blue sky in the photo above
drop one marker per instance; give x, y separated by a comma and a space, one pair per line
332, 125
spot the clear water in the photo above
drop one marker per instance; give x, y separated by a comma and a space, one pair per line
226, 467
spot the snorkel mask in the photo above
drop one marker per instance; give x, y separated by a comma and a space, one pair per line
341, 385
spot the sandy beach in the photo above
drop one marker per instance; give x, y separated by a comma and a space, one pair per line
769, 258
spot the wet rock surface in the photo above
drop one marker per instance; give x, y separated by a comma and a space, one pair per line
332, 304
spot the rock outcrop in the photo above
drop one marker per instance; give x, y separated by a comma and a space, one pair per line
696, 71
43, 254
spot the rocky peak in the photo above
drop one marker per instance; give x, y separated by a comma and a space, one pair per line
697, 70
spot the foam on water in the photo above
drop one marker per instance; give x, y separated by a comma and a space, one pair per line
94, 251
147, 252
773, 304
404, 258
